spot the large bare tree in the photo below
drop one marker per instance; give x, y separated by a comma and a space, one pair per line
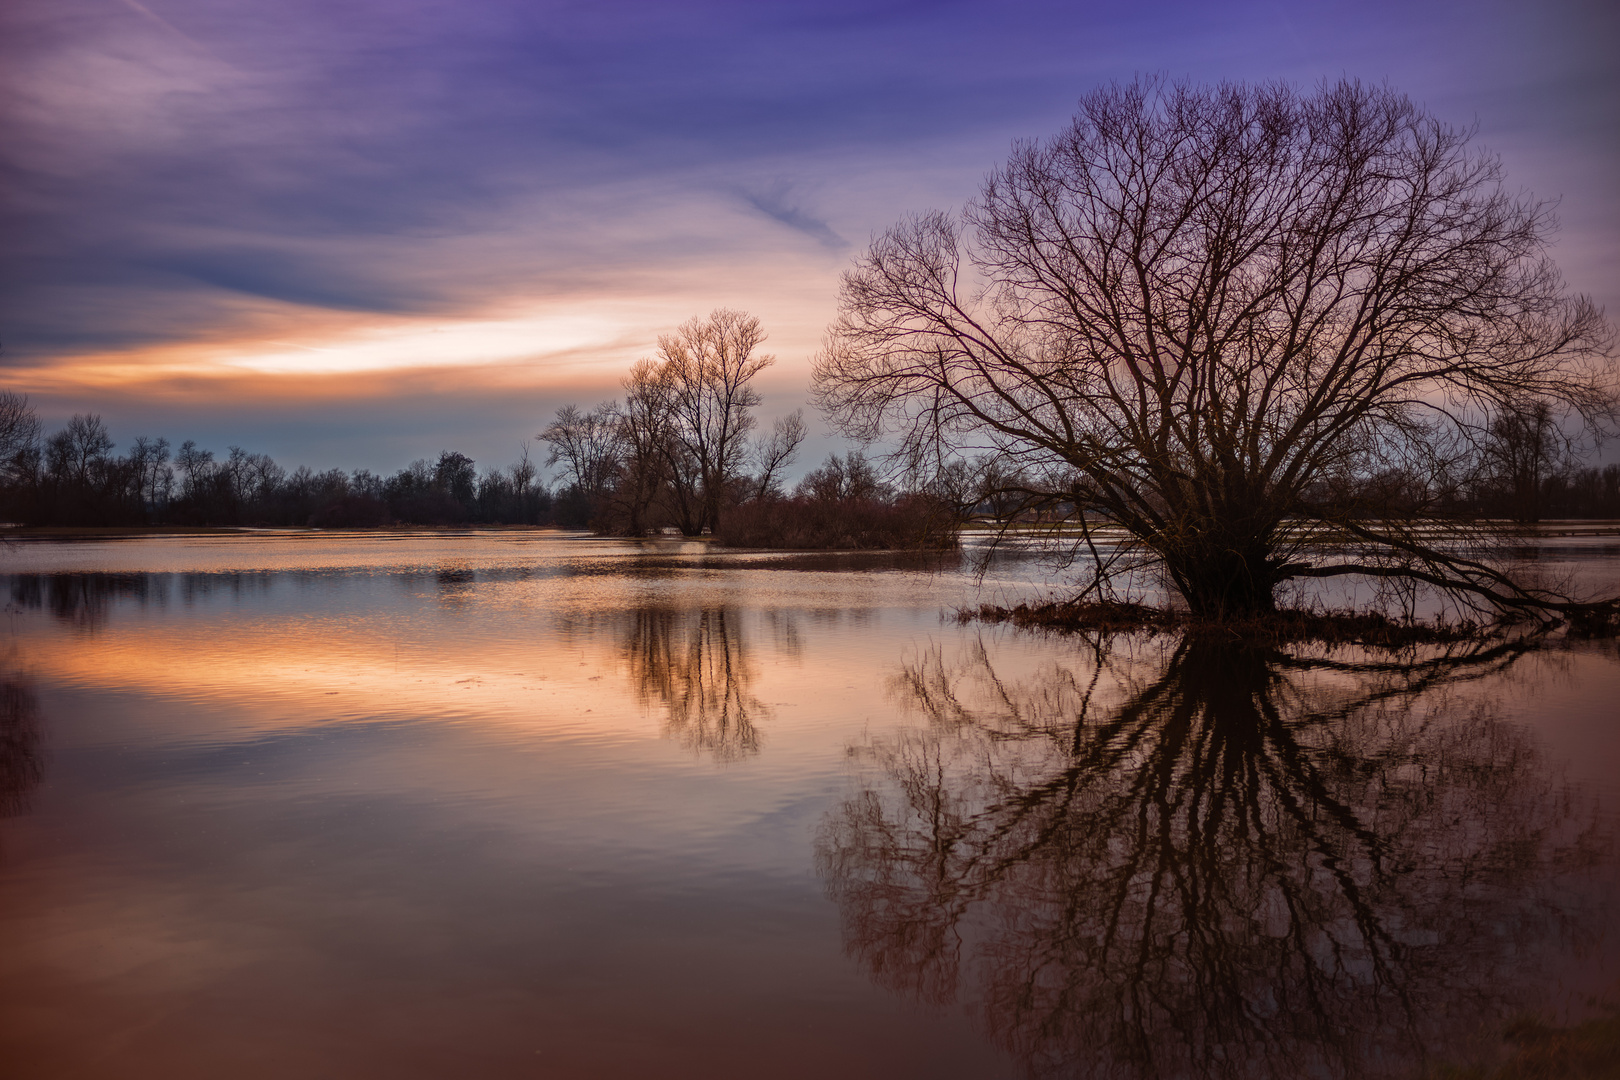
1223, 320
707, 366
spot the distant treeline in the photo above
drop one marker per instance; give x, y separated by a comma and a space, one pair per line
75, 478
1574, 492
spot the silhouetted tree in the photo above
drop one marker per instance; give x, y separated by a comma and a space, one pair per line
707, 366
19, 436
79, 451
643, 433
840, 478
677, 449
196, 467
586, 443
456, 476
1197, 310
775, 452
154, 478
1523, 450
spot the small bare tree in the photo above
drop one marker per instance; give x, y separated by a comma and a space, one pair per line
79, 451
776, 451
587, 445
1523, 449
1208, 317
19, 435
644, 426
154, 478
197, 470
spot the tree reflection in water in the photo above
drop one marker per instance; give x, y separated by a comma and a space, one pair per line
1252, 864
694, 662
21, 764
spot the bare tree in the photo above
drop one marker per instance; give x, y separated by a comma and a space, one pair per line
645, 432
1523, 449
586, 444
523, 473
79, 451
708, 365
776, 451
149, 459
1208, 316
197, 469
849, 477
19, 431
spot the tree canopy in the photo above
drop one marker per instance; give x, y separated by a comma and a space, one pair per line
1262, 333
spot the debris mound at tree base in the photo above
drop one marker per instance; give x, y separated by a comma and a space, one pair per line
1283, 625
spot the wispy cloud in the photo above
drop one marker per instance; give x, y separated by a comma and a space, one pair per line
775, 203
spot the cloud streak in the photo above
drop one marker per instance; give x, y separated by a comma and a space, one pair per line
773, 203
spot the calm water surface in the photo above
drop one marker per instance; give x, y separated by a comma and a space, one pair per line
522, 804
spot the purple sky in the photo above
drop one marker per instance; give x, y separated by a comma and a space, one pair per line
358, 233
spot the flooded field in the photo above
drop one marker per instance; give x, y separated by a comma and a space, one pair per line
526, 804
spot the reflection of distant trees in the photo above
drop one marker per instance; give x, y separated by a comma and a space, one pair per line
21, 765
1253, 865
695, 663
81, 599
87, 600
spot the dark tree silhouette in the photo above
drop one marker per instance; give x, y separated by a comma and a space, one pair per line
644, 430
1523, 450
773, 453
706, 368
19, 434
587, 445
1212, 318
1224, 863
676, 450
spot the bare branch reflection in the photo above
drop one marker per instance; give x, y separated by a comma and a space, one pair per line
1240, 864
694, 662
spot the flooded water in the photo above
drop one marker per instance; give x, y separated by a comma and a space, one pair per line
523, 804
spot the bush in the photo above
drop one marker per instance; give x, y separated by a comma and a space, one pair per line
905, 522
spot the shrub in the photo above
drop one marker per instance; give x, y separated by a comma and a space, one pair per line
905, 522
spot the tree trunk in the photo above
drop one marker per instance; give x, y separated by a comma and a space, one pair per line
1223, 580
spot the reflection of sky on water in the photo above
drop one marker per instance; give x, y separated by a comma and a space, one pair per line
432, 805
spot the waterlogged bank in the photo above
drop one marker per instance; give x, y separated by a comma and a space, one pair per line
523, 804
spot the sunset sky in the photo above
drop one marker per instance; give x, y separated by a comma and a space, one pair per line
355, 232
